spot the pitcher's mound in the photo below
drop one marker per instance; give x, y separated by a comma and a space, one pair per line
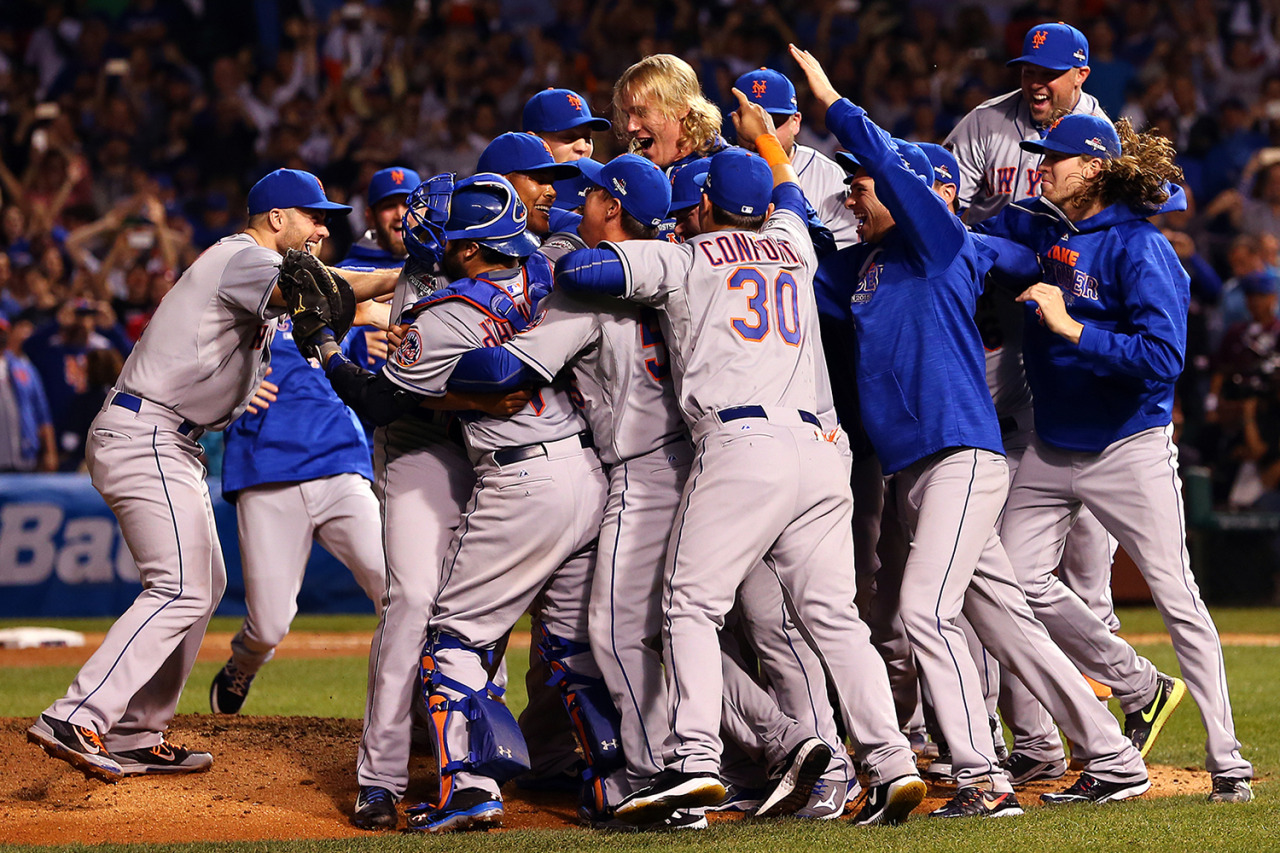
272, 778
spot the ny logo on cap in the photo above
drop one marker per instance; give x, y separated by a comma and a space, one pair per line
758, 87
1038, 40
575, 102
397, 175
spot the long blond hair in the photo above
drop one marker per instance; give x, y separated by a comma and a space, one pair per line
669, 85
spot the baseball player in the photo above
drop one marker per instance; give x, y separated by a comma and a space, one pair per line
563, 120
819, 176
912, 291
995, 171
297, 468
748, 383
195, 367
536, 475
381, 247
619, 363
662, 114
1102, 349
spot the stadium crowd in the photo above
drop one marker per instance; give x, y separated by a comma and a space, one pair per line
130, 131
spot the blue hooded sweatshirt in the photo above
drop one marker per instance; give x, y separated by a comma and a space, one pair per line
1122, 280
921, 371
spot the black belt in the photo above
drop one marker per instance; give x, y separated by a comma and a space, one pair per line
134, 404
735, 413
529, 451
1008, 424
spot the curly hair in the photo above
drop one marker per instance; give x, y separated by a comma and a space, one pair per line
669, 85
1138, 177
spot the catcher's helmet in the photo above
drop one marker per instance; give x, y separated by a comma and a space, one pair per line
484, 208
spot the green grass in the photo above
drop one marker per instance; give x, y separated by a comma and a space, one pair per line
335, 687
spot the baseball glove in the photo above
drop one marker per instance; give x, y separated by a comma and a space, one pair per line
317, 298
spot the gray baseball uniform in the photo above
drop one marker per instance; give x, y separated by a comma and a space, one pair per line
528, 533
823, 182
621, 369
994, 171
194, 368
749, 399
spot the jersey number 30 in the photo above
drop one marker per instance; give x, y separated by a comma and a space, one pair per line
776, 304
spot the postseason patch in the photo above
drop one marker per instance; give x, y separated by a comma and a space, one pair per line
410, 349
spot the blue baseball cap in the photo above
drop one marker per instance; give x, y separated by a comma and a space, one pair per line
396, 180
1258, 283
522, 152
738, 182
638, 184
571, 192
769, 89
946, 170
286, 188
1055, 46
686, 191
553, 110
912, 157
1078, 134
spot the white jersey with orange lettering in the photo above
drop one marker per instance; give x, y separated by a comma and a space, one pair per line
740, 321
994, 170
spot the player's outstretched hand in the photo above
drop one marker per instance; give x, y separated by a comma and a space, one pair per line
1052, 310
750, 121
818, 82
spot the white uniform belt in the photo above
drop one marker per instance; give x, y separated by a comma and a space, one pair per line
155, 414
773, 414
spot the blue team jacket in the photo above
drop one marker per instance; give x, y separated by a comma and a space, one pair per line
1122, 280
306, 434
919, 362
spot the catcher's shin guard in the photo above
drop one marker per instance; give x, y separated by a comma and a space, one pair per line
596, 722
473, 730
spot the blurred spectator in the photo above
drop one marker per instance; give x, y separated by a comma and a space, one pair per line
26, 428
75, 355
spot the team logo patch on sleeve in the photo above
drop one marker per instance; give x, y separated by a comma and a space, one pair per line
410, 349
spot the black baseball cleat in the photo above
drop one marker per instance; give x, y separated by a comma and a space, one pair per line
669, 791
1143, 726
803, 768
375, 809
1231, 789
889, 803
1023, 769
77, 745
972, 801
229, 689
1090, 789
162, 758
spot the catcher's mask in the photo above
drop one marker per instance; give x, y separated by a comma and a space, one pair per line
484, 208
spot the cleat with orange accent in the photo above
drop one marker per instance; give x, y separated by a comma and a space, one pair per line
162, 758
78, 746
972, 801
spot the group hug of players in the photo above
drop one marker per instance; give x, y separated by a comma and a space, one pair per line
623, 397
